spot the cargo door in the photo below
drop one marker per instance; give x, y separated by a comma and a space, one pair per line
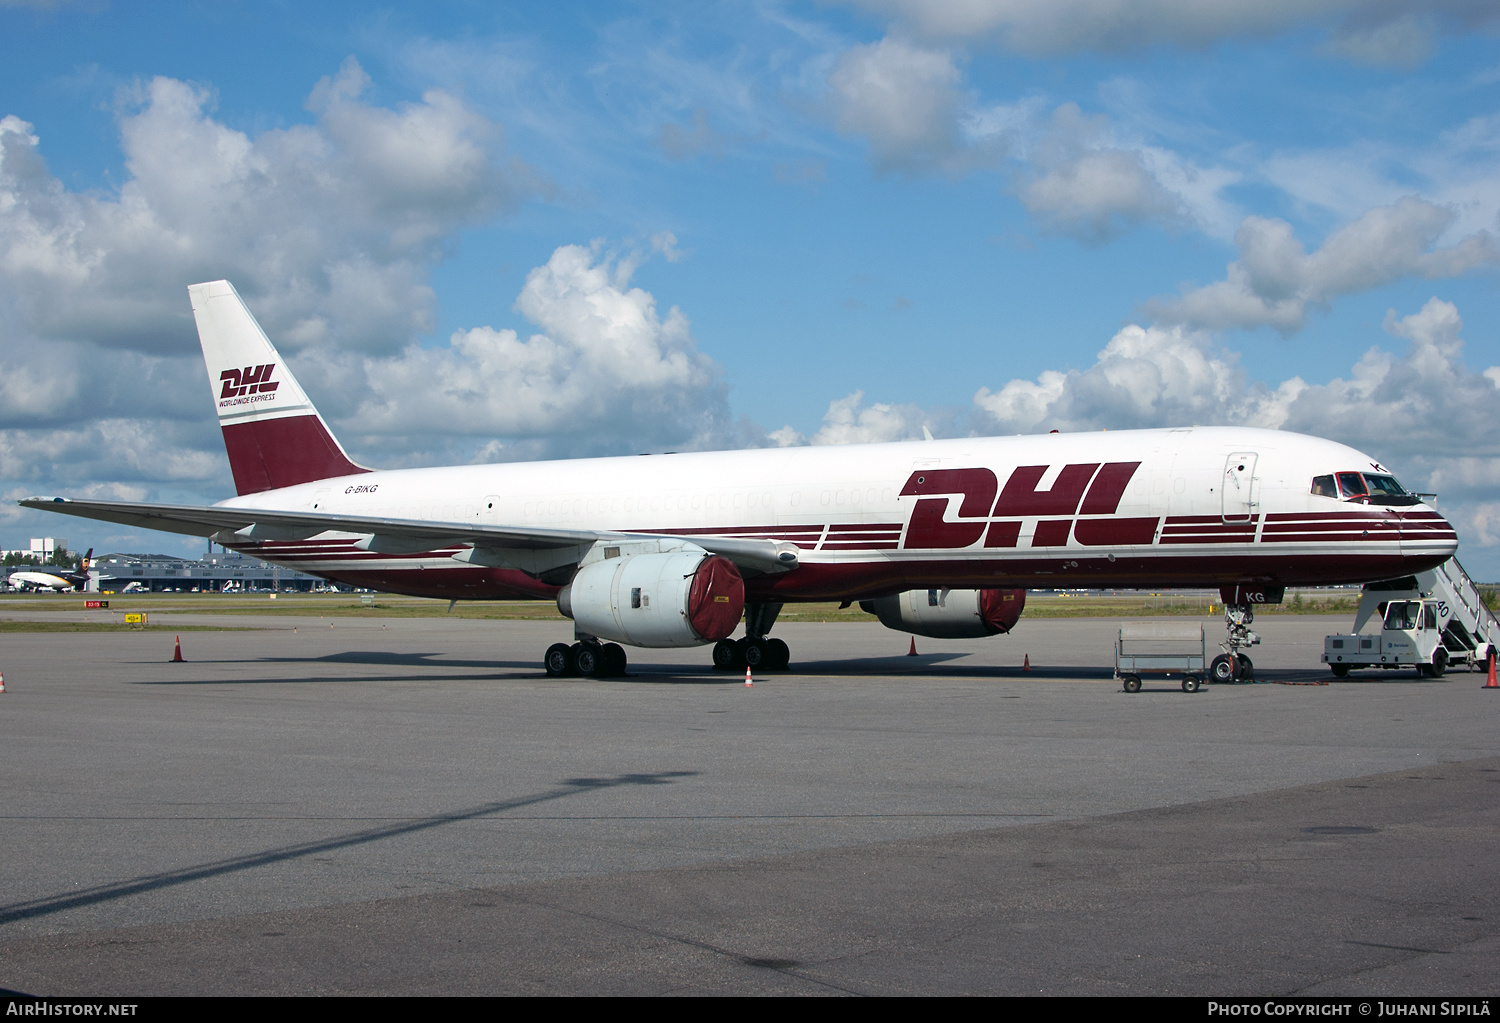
1237, 488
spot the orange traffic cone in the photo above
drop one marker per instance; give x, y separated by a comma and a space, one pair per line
913, 651
747, 676
177, 653
2, 681
1026, 663
1491, 684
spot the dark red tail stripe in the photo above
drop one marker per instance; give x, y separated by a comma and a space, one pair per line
275, 453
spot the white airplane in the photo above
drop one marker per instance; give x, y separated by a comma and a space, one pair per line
48, 577
936, 538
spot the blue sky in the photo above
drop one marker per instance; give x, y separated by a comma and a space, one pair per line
699, 226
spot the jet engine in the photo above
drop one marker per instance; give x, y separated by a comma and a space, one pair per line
672, 599
949, 614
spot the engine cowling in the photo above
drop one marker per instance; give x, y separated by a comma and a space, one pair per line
671, 599
949, 614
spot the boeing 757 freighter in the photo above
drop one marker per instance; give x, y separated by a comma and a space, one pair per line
938, 538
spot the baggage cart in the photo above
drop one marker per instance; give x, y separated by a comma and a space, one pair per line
1168, 650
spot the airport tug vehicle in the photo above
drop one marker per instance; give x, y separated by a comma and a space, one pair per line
1431, 621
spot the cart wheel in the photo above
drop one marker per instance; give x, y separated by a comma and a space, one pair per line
1132, 683
1190, 683
1339, 670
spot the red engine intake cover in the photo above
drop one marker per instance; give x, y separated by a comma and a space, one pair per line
1001, 609
716, 601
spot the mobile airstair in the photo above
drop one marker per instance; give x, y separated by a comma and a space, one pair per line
1431, 621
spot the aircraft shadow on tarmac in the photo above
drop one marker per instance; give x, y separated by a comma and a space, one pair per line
937, 665
33, 908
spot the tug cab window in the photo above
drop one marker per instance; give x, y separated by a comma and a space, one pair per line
1402, 614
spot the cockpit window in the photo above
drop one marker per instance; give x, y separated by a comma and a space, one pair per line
1385, 490
1363, 488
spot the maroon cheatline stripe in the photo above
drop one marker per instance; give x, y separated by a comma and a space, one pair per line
1329, 516
1324, 538
1207, 520
1246, 538
1229, 530
720, 530
1272, 528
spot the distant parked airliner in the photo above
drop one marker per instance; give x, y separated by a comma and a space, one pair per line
940, 538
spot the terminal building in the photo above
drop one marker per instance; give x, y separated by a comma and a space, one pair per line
225, 572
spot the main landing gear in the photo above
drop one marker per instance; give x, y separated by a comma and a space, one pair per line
588, 657
755, 651
1232, 665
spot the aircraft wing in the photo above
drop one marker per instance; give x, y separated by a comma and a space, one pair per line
229, 525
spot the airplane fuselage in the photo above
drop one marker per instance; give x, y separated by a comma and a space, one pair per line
1198, 507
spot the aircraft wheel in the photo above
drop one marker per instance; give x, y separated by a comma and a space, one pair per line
1339, 670
1190, 683
613, 658
586, 659
1132, 683
1245, 668
755, 654
1222, 669
779, 655
724, 655
557, 661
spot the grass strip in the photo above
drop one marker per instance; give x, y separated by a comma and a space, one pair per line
13, 626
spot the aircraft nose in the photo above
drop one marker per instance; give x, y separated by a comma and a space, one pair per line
1426, 534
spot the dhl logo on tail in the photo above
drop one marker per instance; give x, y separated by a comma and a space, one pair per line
250, 380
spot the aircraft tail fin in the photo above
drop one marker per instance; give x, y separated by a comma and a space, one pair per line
274, 436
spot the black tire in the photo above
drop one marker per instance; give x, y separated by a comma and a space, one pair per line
1245, 668
558, 660
586, 659
614, 660
754, 654
1221, 670
1437, 667
1132, 683
1190, 683
779, 654
724, 655
1339, 670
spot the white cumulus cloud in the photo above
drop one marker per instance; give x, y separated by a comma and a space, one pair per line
907, 101
329, 229
1276, 281
335, 222
1388, 32
607, 372
1423, 411
850, 421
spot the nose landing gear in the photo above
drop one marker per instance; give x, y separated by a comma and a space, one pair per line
1232, 665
